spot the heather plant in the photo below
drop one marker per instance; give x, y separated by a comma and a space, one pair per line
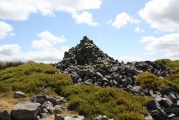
149, 80
116, 103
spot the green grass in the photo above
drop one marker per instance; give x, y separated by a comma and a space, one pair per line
30, 78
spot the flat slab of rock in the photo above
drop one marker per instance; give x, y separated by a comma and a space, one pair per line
172, 110
25, 111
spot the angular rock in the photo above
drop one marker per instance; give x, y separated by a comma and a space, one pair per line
19, 94
161, 115
25, 111
5, 115
58, 109
54, 101
166, 102
88, 82
48, 105
172, 110
39, 99
172, 97
154, 105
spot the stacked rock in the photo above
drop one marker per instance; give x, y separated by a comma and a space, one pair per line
85, 53
86, 63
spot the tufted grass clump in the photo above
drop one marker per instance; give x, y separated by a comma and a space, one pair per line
149, 80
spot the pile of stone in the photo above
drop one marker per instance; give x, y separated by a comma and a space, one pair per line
87, 64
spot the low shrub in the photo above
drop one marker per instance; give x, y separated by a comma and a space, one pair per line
149, 80
32, 77
115, 103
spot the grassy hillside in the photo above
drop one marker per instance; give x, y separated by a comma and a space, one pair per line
31, 78
86, 100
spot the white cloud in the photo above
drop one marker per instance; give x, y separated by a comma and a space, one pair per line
5, 30
168, 44
148, 39
84, 17
9, 50
21, 9
47, 40
161, 14
138, 30
46, 53
122, 19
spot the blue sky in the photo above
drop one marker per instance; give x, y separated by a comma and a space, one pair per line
128, 30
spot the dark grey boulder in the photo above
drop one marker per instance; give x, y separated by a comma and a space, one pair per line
172, 110
19, 94
5, 115
154, 105
25, 111
54, 101
166, 102
39, 99
161, 115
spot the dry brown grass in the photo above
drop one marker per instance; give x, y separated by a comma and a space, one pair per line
7, 102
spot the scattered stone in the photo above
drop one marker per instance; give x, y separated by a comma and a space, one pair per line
39, 99
154, 105
99, 117
5, 115
25, 111
19, 94
172, 110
